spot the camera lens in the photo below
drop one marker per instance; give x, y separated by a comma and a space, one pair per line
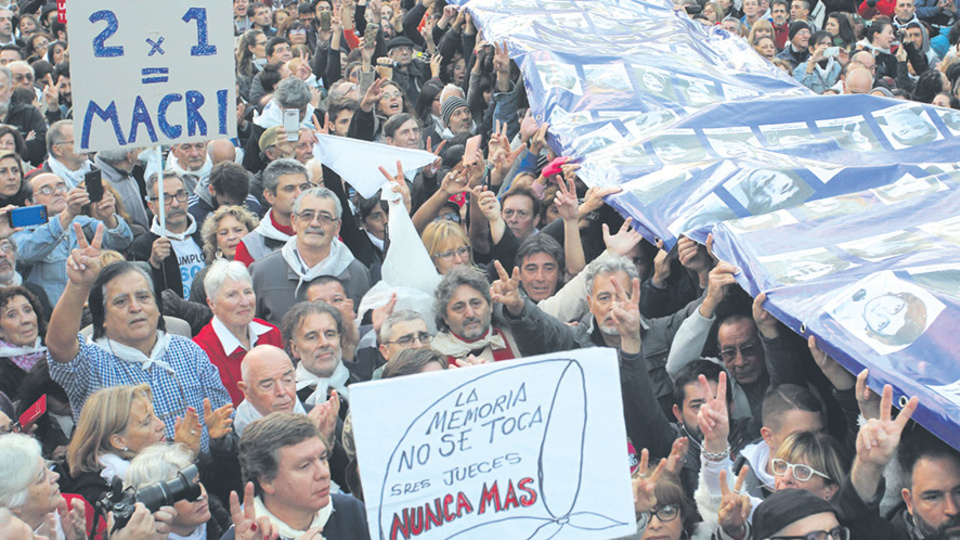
186, 486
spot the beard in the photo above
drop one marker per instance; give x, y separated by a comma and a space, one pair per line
939, 533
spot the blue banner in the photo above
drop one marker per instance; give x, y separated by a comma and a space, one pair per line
700, 131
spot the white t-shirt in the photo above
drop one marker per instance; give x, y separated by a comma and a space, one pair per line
190, 258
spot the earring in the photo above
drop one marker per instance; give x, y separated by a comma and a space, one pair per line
125, 449
219, 254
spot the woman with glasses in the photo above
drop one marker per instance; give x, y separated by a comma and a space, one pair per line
447, 245
37, 45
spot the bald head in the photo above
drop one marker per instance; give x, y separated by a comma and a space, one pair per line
222, 150
864, 58
858, 81
269, 380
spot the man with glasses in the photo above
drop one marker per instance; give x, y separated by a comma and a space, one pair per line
62, 160
794, 514
407, 72
404, 329
45, 248
283, 180
280, 279
175, 253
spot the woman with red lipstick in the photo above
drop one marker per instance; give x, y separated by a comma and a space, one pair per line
233, 331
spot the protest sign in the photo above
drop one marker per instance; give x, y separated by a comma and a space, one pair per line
533, 448
151, 72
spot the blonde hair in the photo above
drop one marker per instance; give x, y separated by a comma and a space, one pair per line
761, 24
108, 256
105, 413
818, 450
440, 236
209, 231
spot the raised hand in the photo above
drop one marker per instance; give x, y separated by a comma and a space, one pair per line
187, 430
324, 416
431, 170
506, 290
767, 324
566, 200
381, 313
626, 315
73, 519
160, 250
245, 522
645, 483
879, 437
661, 266
7, 230
593, 199
718, 282
713, 418
141, 525
454, 182
83, 265
372, 95
624, 242
399, 184
692, 255
218, 422
734, 505
489, 204
469, 361
840, 378
501, 58
867, 399
678, 455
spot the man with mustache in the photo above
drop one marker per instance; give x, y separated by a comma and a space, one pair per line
9, 277
280, 279
175, 253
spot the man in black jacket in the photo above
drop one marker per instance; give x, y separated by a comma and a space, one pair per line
25, 117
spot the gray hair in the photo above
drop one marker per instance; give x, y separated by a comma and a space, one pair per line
7, 74
155, 179
114, 155
292, 93
18, 468
55, 134
320, 193
299, 312
222, 270
282, 167
157, 463
608, 265
386, 329
454, 278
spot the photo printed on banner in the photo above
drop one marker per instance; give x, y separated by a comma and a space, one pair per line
884, 312
851, 133
907, 125
786, 135
947, 230
678, 146
696, 91
708, 211
651, 187
732, 142
805, 265
559, 75
607, 79
762, 221
835, 206
887, 245
655, 82
907, 188
950, 118
941, 278
765, 190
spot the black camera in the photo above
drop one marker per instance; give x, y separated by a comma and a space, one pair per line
122, 502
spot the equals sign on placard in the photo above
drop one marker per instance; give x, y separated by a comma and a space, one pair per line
154, 75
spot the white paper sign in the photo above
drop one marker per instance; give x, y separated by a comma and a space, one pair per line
358, 162
151, 72
532, 448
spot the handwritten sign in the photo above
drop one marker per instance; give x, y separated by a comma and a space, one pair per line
151, 72
521, 449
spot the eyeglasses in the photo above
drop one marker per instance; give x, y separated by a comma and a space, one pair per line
463, 252
407, 340
666, 513
801, 472
6, 247
19, 77
840, 533
45, 471
50, 190
747, 350
391, 95
309, 215
448, 217
298, 31
180, 196
63, 142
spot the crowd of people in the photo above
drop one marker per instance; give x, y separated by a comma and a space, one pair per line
227, 334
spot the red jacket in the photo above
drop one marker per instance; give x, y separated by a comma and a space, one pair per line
229, 366
883, 7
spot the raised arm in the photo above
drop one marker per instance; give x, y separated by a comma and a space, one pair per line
83, 267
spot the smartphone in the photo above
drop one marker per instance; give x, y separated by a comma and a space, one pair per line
291, 123
370, 35
325, 21
28, 215
831, 52
470, 150
31, 415
94, 182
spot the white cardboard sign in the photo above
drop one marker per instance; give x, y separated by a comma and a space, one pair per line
151, 72
532, 448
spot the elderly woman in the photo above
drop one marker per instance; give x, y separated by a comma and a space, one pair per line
221, 233
29, 489
21, 331
201, 519
233, 331
447, 245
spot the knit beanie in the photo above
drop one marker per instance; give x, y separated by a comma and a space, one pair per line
450, 105
783, 508
795, 27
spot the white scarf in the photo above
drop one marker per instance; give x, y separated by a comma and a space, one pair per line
319, 519
200, 533
199, 174
824, 73
268, 230
337, 381
450, 345
378, 243
72, 178
7, 352
191, 228
114, 466
129, 354
334, 264
247, 413
272, 116
16, 281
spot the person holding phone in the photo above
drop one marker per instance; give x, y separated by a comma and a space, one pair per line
46, 246
822, 70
